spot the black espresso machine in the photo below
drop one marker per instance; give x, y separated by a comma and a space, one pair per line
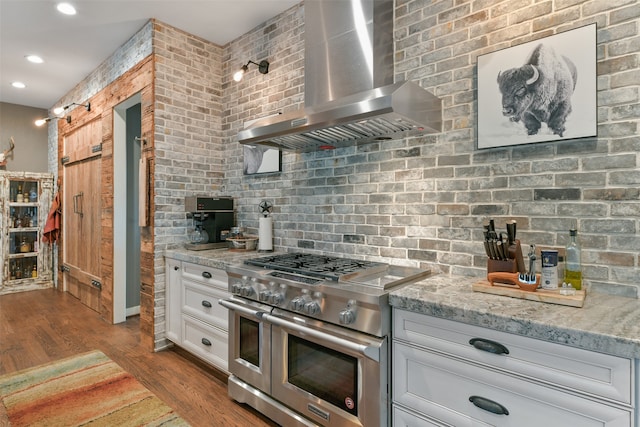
212, 220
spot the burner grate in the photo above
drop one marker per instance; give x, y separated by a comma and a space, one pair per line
326, 267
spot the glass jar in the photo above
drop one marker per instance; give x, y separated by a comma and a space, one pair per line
25, 246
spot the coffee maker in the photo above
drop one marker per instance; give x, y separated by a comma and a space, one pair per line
212, 220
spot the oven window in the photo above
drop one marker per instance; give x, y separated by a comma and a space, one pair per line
250, 341
323, 372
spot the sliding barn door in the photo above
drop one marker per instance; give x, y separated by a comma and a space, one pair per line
81, 236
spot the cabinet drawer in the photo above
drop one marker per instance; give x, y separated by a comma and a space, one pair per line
208, 276
594, 373
205, 341
201, 302
444, 387
403, 417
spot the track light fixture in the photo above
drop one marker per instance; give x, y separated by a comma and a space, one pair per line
263, 68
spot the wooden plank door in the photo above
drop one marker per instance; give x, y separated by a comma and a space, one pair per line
81, 231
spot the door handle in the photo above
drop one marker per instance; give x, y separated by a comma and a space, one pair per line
75, 204
370, 351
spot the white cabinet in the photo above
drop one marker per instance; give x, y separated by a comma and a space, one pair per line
194, 319
173, 309
449, 373
25, 199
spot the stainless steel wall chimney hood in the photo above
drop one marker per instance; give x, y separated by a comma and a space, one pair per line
350, 97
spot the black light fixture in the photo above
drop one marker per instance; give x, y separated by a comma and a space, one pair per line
263, 68
41, 122
58, 111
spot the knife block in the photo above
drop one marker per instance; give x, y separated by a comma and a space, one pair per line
507, 265
515, 263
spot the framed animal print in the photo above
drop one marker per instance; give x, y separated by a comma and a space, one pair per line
539, 91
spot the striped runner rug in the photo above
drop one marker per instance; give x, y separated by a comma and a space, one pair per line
85, 390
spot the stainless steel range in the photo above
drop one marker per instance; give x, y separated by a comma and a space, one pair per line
309, 338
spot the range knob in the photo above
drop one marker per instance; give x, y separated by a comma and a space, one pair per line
348, 315
312, 307
236, 288
247, 291
297, 304
264, 295
276, 298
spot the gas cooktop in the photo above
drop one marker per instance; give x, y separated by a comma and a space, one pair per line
325, 267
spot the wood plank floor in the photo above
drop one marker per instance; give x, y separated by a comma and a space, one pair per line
41, 326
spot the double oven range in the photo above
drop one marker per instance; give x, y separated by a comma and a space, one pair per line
309, 338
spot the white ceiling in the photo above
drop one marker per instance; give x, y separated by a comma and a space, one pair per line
73, 46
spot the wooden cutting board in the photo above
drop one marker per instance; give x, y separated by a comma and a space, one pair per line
541, 295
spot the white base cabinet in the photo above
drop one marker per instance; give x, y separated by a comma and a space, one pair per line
194, 319
449, 373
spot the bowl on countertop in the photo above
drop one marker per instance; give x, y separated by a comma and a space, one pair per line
245, 243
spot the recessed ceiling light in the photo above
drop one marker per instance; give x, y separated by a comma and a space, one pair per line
35, 59
18, 85
66, 8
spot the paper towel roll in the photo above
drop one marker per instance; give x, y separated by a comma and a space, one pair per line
265, 234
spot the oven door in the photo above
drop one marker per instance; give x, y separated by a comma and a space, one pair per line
250, 342
331, 375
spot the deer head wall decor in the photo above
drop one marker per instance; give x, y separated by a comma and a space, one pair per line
5, 153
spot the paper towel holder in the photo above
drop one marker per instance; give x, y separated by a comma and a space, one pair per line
265, 229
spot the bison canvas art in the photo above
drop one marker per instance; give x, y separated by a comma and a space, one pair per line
540, 91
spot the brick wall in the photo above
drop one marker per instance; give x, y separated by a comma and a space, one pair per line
423, 201
419, 201
189, 158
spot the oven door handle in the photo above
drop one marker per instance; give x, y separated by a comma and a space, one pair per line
371, 352
241, 309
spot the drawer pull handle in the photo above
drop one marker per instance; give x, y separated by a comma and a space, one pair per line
206, 342
176, 268
488, 346
206, 275
488, 405
206, 303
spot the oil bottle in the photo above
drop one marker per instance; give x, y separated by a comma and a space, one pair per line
573, 267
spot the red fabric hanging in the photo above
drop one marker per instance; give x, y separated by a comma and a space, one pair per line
51, 231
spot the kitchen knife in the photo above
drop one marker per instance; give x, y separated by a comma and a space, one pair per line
511, 232
500, 248
494, 249
504, 246
486, 248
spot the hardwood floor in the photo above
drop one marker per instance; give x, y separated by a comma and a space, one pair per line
41, 326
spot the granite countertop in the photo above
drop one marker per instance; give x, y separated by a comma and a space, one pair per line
214, 258
607, 324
